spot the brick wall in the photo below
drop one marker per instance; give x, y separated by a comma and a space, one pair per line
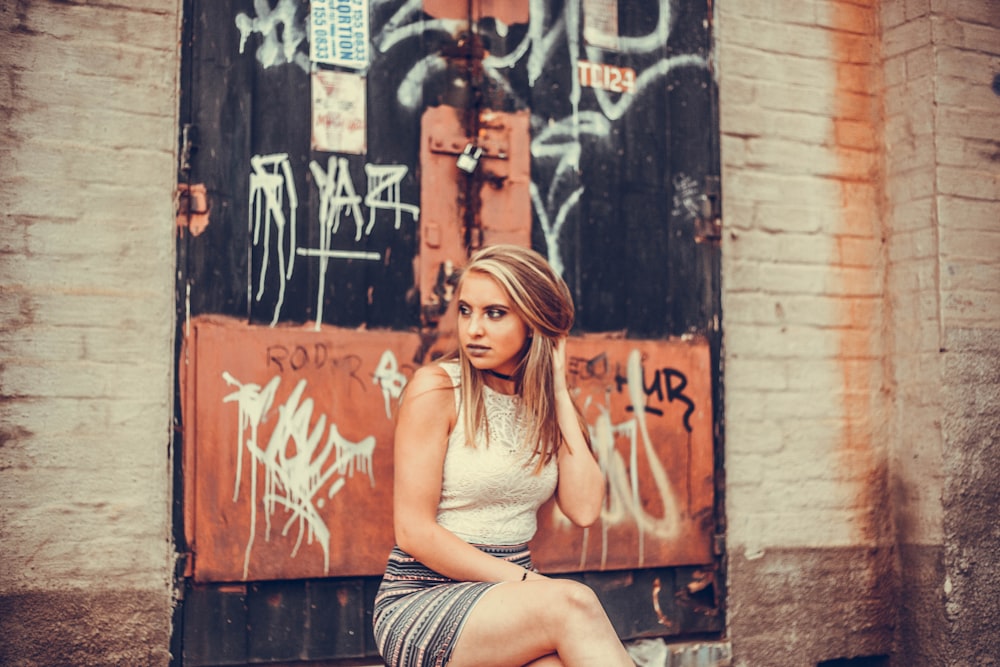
943, 187
89, 98
965, 47
861, 317
807, 462
912, 238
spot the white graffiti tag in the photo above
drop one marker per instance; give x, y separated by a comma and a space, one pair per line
270, 182
274, 203
623, 503
297, 463
282, 33
388, 377
553, 33
384, 193
687, 197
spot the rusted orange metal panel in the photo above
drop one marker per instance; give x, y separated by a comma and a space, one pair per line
288, 451
650, 410
497, 192
505, 194
288, 437
508, 11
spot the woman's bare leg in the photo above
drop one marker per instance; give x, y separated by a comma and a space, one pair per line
518, 623
551, 660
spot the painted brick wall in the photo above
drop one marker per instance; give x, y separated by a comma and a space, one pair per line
88, 128
806, 384
965, 40
943, 188
861, 317
913, 250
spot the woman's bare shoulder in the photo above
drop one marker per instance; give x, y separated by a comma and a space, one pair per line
428, 402
429, 383
432, 376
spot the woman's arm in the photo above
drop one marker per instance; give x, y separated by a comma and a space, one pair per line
580, 493
426, 417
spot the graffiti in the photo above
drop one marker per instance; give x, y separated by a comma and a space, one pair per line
290, 444
388, 377
556, 153
384, 193
667, 383
623, 503
282, 33
337, 196
312, 357
687, 197
296, 461
270, 180
556, 146
665, 378
626, 449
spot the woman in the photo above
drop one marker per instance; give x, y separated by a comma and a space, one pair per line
459, 589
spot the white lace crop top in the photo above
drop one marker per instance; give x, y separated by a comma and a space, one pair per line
490, 494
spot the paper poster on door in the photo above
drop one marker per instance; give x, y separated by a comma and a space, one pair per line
338, 112
600, 23
339, 33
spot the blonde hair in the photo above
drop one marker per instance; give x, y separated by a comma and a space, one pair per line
543, 301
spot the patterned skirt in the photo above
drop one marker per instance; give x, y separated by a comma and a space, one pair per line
420, 613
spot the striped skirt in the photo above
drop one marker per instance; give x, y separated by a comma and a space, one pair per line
420, 613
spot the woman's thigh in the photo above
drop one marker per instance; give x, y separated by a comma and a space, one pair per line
515, 624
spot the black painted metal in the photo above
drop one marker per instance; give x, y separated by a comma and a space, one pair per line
633, 262
628, 246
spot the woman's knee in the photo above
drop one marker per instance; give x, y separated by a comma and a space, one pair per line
578, 599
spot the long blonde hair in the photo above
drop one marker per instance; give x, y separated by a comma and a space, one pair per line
542, 299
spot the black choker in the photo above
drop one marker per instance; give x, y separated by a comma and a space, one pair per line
501, 376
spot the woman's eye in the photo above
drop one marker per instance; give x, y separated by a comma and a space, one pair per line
463, 310
495, 313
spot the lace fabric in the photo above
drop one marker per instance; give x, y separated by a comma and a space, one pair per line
490, 493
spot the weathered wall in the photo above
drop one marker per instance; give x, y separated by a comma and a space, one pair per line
89, 104
941, 130
811, 565
861, 187
964, 45
912, 240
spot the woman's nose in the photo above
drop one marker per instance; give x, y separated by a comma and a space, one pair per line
475, 325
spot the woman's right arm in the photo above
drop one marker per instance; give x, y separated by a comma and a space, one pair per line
426, 417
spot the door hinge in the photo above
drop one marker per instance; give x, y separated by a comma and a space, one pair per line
708, 224
719, 544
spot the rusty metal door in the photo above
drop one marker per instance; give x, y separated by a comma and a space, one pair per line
340, 160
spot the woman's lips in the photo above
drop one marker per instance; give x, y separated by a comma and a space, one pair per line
476, 350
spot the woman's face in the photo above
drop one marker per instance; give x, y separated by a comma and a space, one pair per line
492, 334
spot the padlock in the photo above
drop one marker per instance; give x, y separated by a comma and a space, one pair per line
469, 159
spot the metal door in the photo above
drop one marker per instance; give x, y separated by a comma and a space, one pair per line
340, 159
